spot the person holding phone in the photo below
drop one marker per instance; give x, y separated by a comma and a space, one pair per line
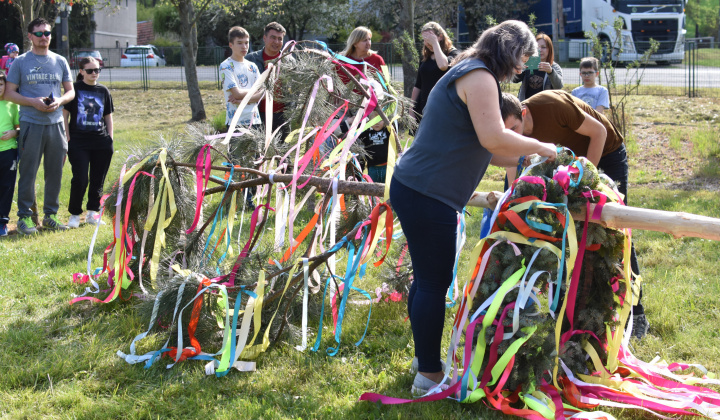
40, 82
542, 72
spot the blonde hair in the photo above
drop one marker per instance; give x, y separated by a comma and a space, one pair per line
358, 34
446, 44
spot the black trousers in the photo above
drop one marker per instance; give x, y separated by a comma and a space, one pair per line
8, 174
278, 120
95, 163
615, 165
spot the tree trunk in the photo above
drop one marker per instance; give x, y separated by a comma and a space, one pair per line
186, 12
407, 37
25, 7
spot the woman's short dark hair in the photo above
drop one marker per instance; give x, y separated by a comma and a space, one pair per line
502, 47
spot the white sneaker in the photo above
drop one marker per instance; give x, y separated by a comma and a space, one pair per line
74, 221
93, 218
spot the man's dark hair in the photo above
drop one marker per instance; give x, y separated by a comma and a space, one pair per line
274, 26
37, 22
237, 32
511, 107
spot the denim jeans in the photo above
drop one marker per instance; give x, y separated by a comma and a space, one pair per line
430, 228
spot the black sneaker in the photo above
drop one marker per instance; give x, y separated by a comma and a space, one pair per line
51, 222
640, 326
26, 226
3, 230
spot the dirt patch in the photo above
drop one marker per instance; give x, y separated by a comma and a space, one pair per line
658, 165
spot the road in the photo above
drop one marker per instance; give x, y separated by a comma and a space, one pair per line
673, 76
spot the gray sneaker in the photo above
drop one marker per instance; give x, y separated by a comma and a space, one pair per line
640, 326
422, 385
51, 222
25, 226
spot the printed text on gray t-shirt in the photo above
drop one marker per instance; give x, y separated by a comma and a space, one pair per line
37, 76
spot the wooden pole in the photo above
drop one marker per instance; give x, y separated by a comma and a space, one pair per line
616, 216
613, 215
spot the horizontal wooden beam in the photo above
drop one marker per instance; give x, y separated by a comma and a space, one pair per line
613, 215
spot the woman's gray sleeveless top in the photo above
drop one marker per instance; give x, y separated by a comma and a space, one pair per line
446, 160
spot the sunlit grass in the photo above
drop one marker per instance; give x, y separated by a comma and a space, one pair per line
59, 360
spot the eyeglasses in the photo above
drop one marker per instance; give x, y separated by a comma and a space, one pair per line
39, 34
587, 73
91, 71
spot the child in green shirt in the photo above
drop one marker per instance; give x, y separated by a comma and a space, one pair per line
9, 124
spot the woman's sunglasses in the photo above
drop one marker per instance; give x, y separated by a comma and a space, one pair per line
91, 71
39, 34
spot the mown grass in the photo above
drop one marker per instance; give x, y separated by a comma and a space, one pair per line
59, 361
709, 57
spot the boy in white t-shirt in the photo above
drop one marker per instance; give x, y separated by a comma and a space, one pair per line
592, 94
238, 76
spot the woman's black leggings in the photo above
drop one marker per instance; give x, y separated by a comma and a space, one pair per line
430, 228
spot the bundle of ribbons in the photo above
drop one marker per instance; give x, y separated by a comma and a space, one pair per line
545, 310
200, 280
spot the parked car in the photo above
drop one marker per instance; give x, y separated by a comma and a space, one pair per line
76, 56
139, 55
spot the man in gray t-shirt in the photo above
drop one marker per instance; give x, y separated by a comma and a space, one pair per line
34, 83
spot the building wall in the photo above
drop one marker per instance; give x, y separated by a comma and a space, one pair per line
145, 33
116, 28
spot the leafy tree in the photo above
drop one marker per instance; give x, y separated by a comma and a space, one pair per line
10, 29
705, 15
81, 26
606, 52
476, 13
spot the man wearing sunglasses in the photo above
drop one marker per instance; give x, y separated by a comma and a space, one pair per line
35, 83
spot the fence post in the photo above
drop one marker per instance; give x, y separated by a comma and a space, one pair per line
217, 56
146, 84
691, 68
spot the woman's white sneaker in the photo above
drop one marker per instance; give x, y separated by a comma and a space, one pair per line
74, 221
93, 218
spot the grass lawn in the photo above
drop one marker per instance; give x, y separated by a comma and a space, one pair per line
59, 361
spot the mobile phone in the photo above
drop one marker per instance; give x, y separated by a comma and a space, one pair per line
532, 63
50, 99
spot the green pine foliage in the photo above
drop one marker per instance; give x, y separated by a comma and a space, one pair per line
597, 303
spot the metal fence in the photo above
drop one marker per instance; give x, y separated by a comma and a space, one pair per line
697, 75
